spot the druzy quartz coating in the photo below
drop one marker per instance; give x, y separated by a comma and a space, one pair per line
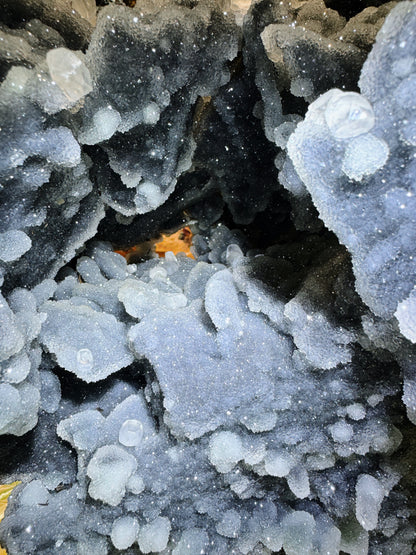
255, 393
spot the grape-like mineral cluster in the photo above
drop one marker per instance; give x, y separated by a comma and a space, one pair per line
260, 396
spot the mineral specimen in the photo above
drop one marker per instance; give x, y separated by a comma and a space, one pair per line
256, 393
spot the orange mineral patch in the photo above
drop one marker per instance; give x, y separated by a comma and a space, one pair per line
180, 241
5, 491
136, 252
177, 242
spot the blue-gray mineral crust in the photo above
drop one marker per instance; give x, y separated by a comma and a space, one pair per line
246, 386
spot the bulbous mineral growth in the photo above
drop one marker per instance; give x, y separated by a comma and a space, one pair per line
248, 392
69, 72
348, 115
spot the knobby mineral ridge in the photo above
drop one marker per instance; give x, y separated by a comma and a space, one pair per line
259, 397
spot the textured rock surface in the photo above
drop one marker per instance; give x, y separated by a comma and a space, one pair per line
259, 397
